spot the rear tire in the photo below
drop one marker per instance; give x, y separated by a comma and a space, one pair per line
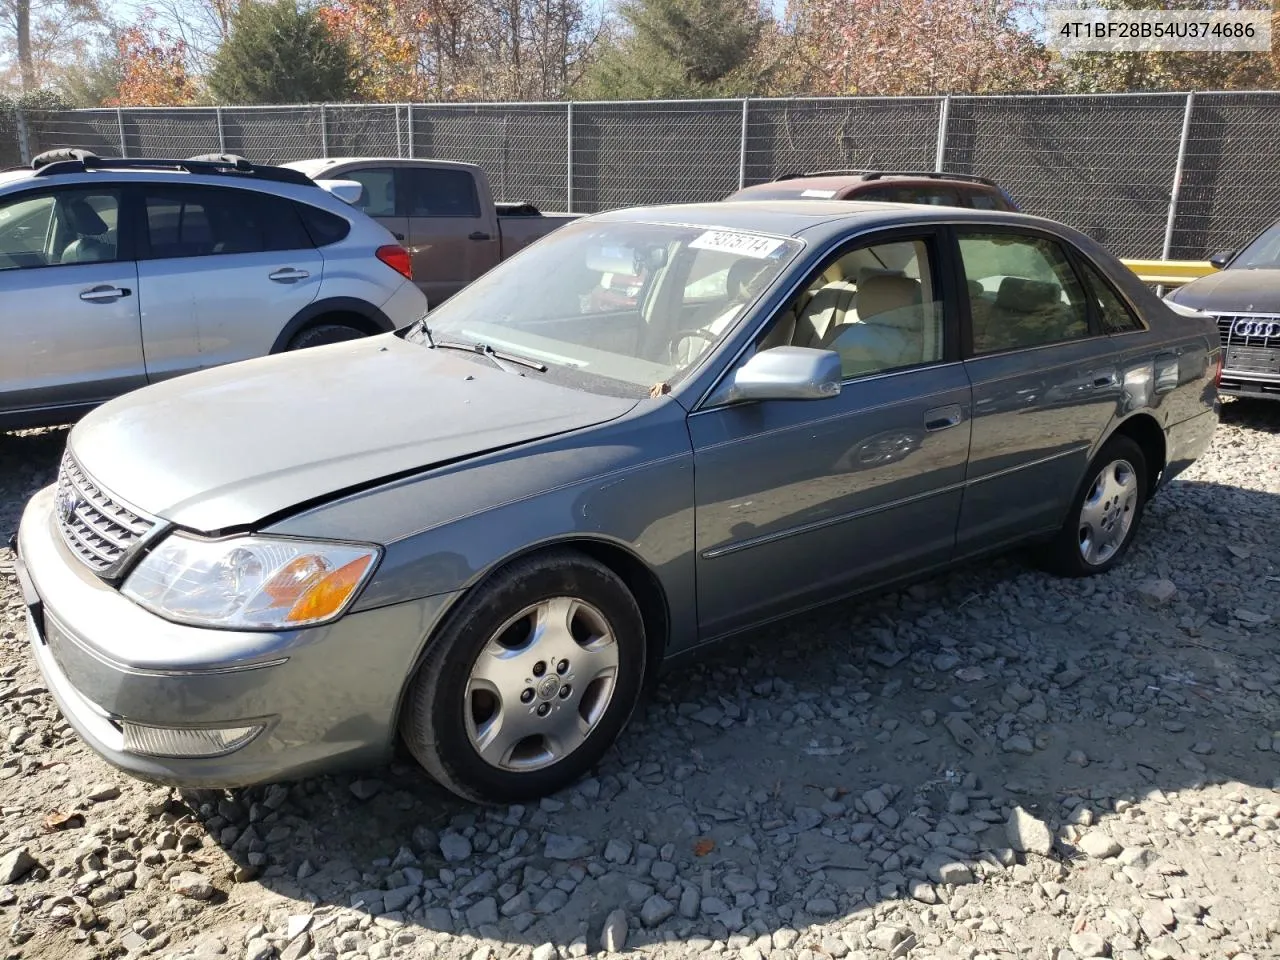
1104, 515
324, 333
530, 681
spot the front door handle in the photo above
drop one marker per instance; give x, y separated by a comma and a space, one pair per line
400, 237
1109, 380
288, 275
478, 235
104, 292
941, 418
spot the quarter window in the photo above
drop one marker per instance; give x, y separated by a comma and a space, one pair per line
208, 221
59, 227
1113, 313
1022, 292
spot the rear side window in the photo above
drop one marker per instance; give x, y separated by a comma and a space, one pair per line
934, 196
202, 221
323, 227
981, 200
1022, 291
440, 193
1113, 313
378, 198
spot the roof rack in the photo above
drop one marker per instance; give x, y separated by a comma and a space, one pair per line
55, 162
880, 174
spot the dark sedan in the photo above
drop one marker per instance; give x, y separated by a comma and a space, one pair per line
1244, 300
485, 531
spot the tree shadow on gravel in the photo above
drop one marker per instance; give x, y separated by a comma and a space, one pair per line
841, 781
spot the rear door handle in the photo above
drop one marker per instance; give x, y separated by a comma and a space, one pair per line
940, 418
288, 275
478, 235
104, 293
400, 237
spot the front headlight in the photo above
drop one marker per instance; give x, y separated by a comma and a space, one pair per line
250, 583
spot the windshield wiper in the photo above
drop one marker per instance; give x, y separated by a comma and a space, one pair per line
499, 357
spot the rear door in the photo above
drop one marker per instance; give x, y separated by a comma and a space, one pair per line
452, 237
222, 271
1046, 382
68, 299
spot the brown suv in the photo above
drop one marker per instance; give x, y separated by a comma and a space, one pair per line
939, 189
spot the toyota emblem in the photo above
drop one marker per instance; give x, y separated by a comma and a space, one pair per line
1256, 327
67, 505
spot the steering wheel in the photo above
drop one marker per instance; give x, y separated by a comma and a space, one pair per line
683, 335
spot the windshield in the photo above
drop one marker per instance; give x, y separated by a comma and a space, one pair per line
1263, 253
638, 303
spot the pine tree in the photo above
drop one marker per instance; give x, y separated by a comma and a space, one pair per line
672, 49
279, 52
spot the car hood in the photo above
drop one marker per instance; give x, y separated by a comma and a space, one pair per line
230, 446
1233, 291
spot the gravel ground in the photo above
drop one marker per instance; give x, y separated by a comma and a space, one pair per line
995, 763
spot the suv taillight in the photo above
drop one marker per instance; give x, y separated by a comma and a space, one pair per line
397, 258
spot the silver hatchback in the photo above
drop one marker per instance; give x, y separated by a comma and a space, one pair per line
119, 273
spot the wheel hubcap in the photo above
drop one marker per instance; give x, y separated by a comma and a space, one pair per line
541, 684
1106, 515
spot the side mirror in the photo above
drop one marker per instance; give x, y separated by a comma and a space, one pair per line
348, 191
784, 373
1220, 259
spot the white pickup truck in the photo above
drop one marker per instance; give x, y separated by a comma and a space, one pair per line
443, 212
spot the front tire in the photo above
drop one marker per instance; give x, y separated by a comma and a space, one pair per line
530, 681
1105, 513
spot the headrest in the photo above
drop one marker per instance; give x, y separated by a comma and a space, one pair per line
743, 271
1026, 296
84, 219
885, 292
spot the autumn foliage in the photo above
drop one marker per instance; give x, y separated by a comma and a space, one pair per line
153, 68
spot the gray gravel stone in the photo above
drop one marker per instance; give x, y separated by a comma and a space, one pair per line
1028, 834
613, 938
655, 910
15, 865
1099, 845
561, 847
454, 847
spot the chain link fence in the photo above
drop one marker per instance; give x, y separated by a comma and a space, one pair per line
1149, 175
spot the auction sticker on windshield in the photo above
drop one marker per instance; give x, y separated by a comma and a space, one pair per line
743, 244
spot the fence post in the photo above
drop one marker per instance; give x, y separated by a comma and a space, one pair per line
408, 107
324, 131
568, 176
742, 147
222, 136
944, 113
24, 144
1177, 177
124, 150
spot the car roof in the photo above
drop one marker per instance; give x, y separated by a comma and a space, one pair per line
815, 220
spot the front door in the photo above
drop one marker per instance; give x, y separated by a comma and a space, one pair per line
800, 501
68, 300
1045, 384
452, 239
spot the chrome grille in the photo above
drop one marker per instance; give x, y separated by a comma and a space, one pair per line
100, 530
1249, 330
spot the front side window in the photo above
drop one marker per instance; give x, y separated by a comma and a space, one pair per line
441, 193
378, 196
59, 227
1022, 292
876, 306
635, 303
210, 221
